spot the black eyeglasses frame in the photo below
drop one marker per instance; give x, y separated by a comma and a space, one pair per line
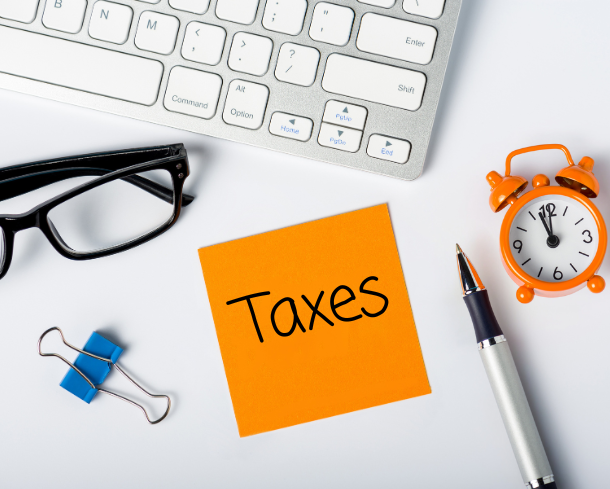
176, 164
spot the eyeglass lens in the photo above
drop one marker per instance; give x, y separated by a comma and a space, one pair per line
112, 214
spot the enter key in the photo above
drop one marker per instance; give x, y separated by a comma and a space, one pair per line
395, 38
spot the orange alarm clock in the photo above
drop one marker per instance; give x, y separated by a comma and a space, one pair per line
553, 239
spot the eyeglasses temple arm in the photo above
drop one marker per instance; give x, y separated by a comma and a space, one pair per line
28, 183
157, 190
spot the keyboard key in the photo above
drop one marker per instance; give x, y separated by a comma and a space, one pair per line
194, 6
246, 104
339, 137
379, 3
250, 53
291, 126
110, 22
343, 114
297, 64
64, 15
375, 82
192, 92
81, 67
331, 24
203, 43
396, 38
389, 149
19, 10
285, 16
432, 9
239, 11
157, 32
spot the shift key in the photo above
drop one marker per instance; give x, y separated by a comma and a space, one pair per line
375, 82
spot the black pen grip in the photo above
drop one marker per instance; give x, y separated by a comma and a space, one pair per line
485, 324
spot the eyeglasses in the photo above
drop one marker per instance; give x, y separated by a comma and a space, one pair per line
136, 197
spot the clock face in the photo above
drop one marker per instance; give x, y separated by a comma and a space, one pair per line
554, 238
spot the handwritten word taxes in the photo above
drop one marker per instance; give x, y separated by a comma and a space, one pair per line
346, 296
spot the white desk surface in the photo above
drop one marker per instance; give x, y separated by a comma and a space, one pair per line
521, 73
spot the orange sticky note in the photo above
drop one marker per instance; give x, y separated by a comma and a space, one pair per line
314, 320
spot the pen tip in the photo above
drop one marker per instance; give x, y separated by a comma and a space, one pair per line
468, 275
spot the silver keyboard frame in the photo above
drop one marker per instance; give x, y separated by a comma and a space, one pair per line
416, 126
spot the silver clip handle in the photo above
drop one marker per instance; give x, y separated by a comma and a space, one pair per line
109, 361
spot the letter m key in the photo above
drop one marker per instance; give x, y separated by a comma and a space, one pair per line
151, 25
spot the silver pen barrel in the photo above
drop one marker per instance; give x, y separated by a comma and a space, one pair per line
505, 382
516, 413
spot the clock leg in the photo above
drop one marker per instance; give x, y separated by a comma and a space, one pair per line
596, 284
525, 295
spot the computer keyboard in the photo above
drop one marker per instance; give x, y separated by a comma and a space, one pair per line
355, 83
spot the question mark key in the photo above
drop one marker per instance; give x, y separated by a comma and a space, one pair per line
297, 64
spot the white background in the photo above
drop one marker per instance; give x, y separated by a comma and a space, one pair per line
521, 73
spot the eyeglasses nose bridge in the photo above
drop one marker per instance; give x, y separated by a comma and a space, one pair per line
22, 222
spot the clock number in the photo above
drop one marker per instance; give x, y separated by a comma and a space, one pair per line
550, 208
518, 245
588, 233
542, 210
557, 272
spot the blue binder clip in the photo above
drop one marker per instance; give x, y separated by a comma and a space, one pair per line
91, 368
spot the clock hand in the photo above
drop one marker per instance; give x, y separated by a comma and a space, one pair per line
550, 210
545, 224
552, 241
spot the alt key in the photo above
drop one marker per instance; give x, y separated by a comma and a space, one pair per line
391, 149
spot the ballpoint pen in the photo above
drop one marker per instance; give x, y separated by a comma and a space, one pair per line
505, 382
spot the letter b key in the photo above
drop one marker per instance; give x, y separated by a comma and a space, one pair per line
64, 15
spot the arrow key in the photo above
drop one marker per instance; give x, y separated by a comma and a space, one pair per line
390, 149
343, 114
203, 43
340, 138
291, 126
